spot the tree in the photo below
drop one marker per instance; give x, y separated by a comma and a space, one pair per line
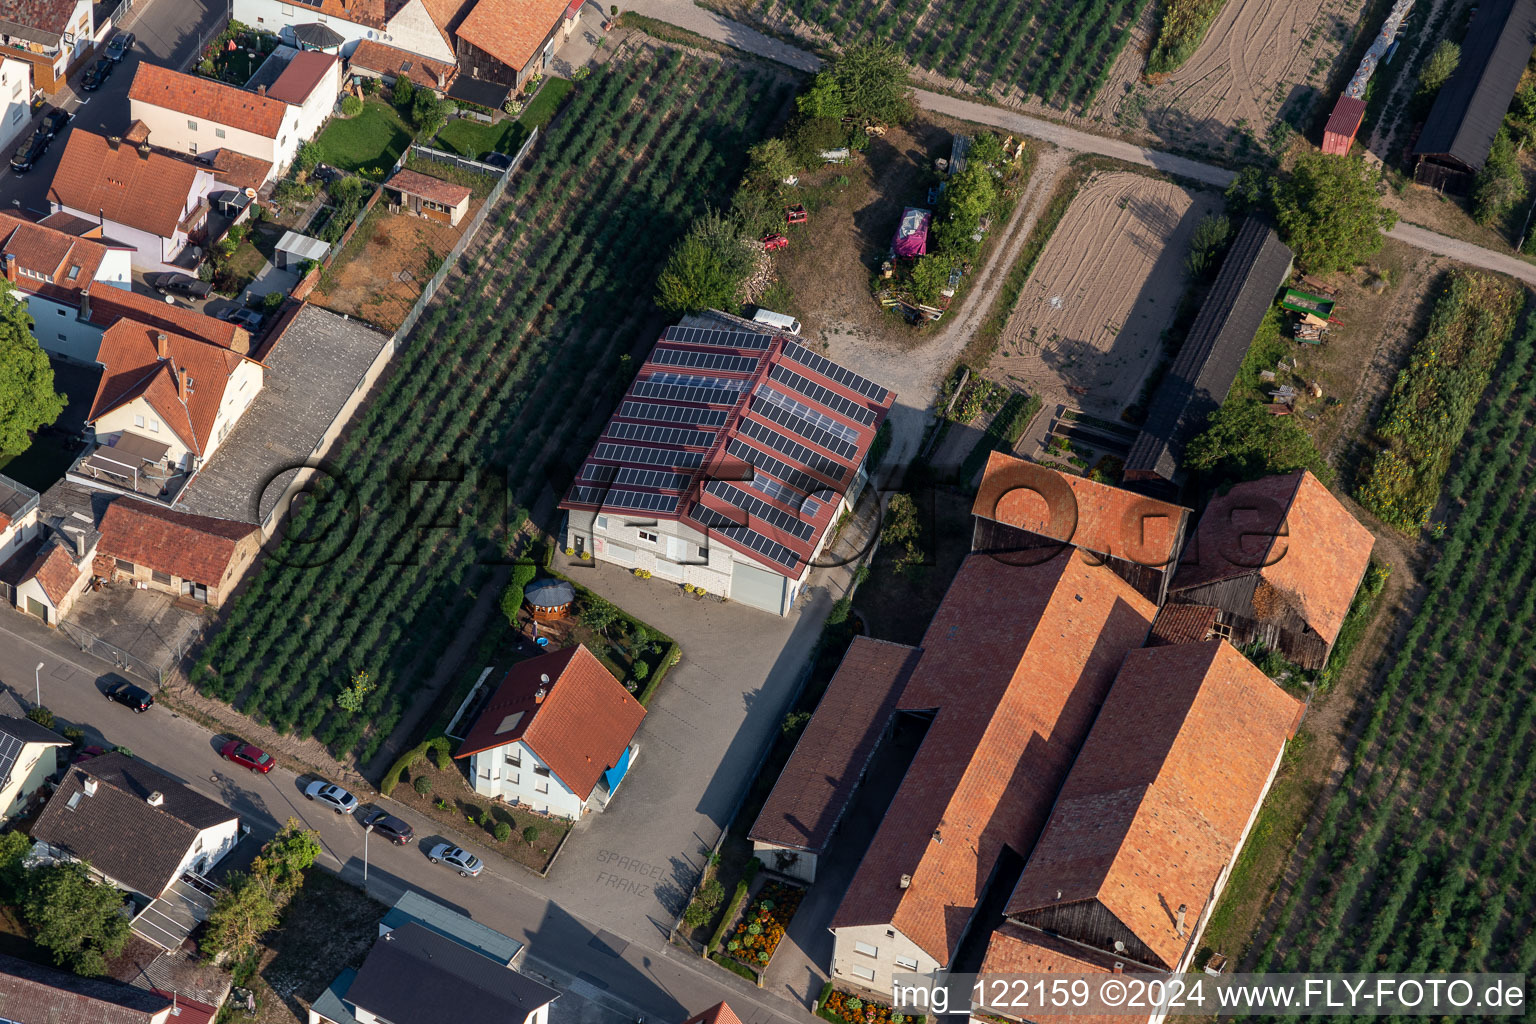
871, 80
531, 834
1245, 442
901, 526
1499, 185
1249, 192
822, 99
351, 696
307, 156
404, 94
768, 164
503, 832
351, 106
1438, 68
522, 575
427, 113
290, 853
77, 919
1330, 211
41, 715
928, 277
242, 913
705, 269
422, 785
1208, 239
599, 615
14, 847
27, 398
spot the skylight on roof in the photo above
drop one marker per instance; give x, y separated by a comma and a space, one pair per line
509, 723
74, 271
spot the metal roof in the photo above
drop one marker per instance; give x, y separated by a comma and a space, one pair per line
303, 246
1470, 107
414, 908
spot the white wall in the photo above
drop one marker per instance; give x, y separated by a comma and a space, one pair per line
803, 868
151, 252
405, 31
15, 101
116, 269
494, 777
210, 846
18, 533
174, 130
889, 944
60, 331
414, 30
317, 106
36, 763
673, 556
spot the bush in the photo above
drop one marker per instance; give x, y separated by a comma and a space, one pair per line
442, 752
351, 106
41, 715
273, 301
74, 735
422, 785
503, 832
1438, 68
640, 670
706, 268
531, 834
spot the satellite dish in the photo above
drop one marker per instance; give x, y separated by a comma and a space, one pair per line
250, 193
170, 300
1119, 946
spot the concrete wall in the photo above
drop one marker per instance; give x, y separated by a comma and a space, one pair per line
494, 777
35, 765
878, 970
15, 102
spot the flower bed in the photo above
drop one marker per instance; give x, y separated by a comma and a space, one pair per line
840, 1006
758, 933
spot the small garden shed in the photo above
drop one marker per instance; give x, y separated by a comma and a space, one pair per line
550, 599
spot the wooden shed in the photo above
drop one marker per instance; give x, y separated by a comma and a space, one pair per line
549, 599
429, 197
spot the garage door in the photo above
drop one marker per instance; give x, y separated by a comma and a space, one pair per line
757, 588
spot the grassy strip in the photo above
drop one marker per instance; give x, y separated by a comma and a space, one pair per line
1003, 432
734, 906
541, 109
1180, 30
1361, 611
734, 966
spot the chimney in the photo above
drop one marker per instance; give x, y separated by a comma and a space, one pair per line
10, 267
539, 695
261, 90
114, 141
1119, 967
85, 305
162, 346
155, 799
1182, 911
906, 881
182, 391
90, 786
79, 536
144, 150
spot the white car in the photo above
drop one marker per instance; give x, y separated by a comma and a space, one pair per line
332, 795
468, 864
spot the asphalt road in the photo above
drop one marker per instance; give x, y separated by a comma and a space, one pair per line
169, 32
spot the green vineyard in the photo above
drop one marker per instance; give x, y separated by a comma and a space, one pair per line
497, 385
1058, 50
1422, 857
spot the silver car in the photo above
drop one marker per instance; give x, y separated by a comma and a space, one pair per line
332, 795
468, 864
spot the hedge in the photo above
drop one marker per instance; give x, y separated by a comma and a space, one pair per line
734, 907
442, 751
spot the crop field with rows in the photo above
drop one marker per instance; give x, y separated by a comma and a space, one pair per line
1422, 857
494, 391
1058, 50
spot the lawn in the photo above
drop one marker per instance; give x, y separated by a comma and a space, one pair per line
240, 269
371, 141
468, 137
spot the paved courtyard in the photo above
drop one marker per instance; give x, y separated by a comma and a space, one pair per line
146, 625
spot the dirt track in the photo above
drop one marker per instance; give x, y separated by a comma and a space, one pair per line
1086, 328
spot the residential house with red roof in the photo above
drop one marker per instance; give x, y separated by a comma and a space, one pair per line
726, 464
1025, 511
509, 41
54, 36
49, 270
46, 549
1151, 817
1280, 560
420, 26
429, 197
309, 84
387, 63
140, 197
557, 736
15, 101
174, 552
720, 1013
170, 389
31, 992
1013, 669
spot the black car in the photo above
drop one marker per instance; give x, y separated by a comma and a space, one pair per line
390, 827
180, 284
130, 696
30, 153
53, 122
118, 48
96, 74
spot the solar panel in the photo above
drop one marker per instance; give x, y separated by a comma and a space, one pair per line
10, 749
807, 430
824, 396
755, 506
786, 445
659, 479
672, 413
769, 548
660, 435
830, 370
636, 455
597, 473
684, 393
737, 384
782, 493
613, 498
722, 361
828, 423
725, 339
796, 478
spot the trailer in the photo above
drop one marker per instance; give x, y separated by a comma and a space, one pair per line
1304, 302
911, 239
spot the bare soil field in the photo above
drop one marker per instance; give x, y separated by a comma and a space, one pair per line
1087, 326
386, 265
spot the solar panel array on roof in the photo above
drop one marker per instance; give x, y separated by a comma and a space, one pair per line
647, 456
830, 370
10, 749
660, 479
805, 428
826, 396
726, 339
782, 493
684, 393
721, 361
736, 384
769, 548
786, 445
637, 501
754, 506
660, 435
796, 478
672, 413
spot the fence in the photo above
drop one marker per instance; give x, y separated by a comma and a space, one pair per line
94, 645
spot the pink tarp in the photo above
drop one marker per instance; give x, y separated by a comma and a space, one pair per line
912, 235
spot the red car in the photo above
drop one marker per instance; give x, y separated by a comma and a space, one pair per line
248, 756
772, 242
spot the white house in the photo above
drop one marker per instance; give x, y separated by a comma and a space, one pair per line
49, 270
414, 25
135, 826
557, 735
309, 85
18, 516
54, 36
15, 101
139, 197
29, 755
49, 571
200, 116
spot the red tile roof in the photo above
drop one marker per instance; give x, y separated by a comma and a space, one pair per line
512, 30
1160, 796
48, 15
1097, 517
393, 61
68, 223
56, 572
149, 192
428, 187
1016, 661
581, 727
447, 15
197, 548
1295, 535
132, 368
109, 305
303, 75
49, 255
239, 170
206, 99
1183, 624
720, 1013
814, 789
1015, 949
188, 1011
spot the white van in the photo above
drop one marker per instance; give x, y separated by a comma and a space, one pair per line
777, 320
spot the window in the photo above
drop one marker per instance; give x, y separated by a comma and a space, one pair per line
16, 115
601, 522
138, 420
124, 565
862, 972
704, 552
1222, 629
154, 426
193, 147
541, 786
515, 758
908, 962
513, 778
866, 949
540, 769
647, 535
61, 337
59, 311
160, 577
218, 133
191, 126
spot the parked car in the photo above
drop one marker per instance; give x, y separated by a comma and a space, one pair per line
30, 153
390, 827
467, 863
130, 696
118, 48
53, 122
332, 795
180, 284
96, 74
247, 318
247, 756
